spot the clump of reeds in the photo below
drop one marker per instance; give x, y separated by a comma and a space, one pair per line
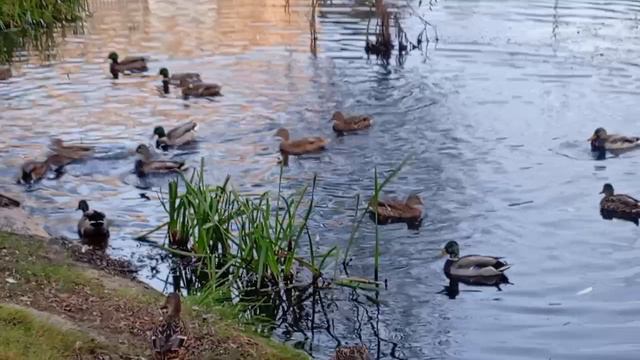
16, 14
382, 45
247, 241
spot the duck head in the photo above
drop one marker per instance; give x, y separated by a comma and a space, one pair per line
414, 200
452, 249
172, 306
607, 189
159, 132
597, 139
83, 205
337, 116
113, 56
283, 133
164, 72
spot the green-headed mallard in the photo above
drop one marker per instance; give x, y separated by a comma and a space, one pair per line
471, 265
132, 64
171, 334
343, 123
351, 352
92, 227
179, 79
601, 141
76, 152
305, 145
177, 136
147, 166
392, 210
201, 90
618, 204
34, 171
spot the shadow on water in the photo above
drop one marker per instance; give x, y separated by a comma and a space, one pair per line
453, 289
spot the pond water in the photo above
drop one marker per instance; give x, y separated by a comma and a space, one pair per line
495, 114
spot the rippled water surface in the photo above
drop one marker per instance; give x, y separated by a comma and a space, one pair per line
496, 113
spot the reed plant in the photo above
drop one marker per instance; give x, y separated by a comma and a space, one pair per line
16, 14
240, 240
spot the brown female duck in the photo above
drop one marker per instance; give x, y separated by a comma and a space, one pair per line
602, 141
390, 211
618, 204
177, 136
76, 152
342, 123
34, 171
305, 145
171, 333
201, 90
132, 64
471, 266
93, 228
146, 165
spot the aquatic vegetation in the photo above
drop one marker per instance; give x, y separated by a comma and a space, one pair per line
240, 239
31, 23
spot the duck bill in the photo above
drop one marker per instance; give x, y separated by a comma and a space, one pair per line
443, 253
593, 137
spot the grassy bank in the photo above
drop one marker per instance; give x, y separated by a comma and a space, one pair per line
54, 307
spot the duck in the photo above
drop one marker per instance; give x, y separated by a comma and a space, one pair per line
171, 333
351, 352
201, 90
179, 79
342, 123
618, 204
305, 145
76, 152
92, 226
602, 141
147, 166
132, 64
471, 265
33, 171
177, 136
391, 210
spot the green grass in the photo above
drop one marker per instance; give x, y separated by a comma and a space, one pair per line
20, 329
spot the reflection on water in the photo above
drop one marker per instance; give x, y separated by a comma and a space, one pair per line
495, 114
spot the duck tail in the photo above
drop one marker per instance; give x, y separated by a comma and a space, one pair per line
504, 268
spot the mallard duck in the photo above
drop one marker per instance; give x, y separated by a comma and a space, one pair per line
177, 136
343, 123
180, 79
34, 171
300, 146
390, 210
471, 265
133, 64
171, 333
201, 90
618, 204
351, 352
76, 152
92, 226
147, 166
601, 141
